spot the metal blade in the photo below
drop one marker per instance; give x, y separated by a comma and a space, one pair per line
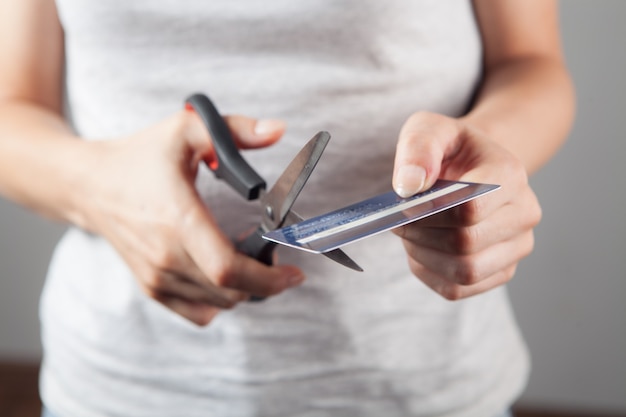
340, 257
336, 255
278, 201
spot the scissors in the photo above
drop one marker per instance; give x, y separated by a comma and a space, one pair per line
275, 204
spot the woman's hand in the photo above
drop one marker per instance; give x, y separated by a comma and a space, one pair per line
474, 247
138, 193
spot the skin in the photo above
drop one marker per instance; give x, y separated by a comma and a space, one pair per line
523, 113
170, 239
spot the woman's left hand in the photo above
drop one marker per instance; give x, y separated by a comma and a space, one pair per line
474, 247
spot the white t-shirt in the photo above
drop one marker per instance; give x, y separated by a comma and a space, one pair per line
344, 343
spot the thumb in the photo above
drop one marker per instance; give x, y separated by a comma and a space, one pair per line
425, 140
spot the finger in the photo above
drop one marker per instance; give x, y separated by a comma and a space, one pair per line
182, 276
425, 140
247, 132
198, 313
471, 269
252, 133
170, 269
472, 212
464, 216
261, 280
218, 260
174, 284
156, 282
447, 232
453, 291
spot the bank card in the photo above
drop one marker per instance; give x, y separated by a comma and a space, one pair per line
375, 215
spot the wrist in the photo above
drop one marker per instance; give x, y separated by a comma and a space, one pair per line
80, 181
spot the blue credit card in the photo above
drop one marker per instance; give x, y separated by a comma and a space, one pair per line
375, 215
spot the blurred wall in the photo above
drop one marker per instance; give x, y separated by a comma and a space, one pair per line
26, 243
569, 296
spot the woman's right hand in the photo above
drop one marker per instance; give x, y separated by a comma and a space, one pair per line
138, 192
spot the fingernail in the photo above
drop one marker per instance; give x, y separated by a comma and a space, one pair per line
268, 127
409, 180
295, 280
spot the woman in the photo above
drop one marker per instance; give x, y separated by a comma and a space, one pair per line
144, 308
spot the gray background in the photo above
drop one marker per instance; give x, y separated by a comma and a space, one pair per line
567, 295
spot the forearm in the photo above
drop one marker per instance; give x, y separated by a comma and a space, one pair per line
41, 161
527, 106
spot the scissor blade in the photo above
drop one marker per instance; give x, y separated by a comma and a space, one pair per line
340, 256
280, 198
336, 255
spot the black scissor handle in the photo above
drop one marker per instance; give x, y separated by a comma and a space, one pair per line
258, 248
230, 166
